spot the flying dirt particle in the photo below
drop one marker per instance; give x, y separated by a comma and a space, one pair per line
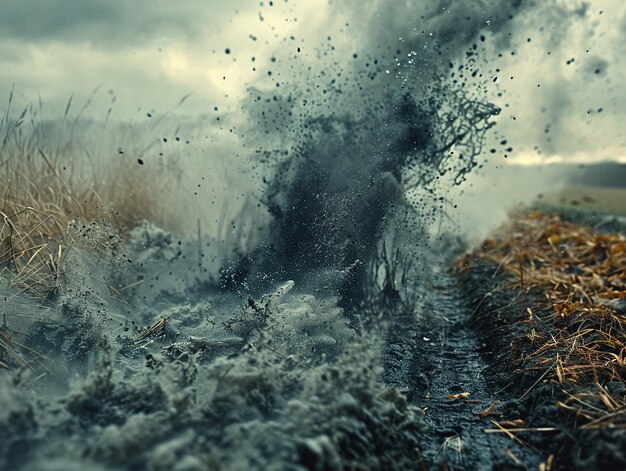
140, 162
227, 51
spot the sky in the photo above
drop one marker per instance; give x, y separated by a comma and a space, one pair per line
564, 83
556, 71
147, 54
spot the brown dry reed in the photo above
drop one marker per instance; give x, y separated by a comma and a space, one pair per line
575, 328
70, 173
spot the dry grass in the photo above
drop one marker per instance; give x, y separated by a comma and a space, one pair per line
576, 334
57, 181
598, 409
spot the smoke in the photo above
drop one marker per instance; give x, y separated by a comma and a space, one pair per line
557, 81
375, 111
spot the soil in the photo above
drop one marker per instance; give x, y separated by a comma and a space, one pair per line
434, 352
497, 320
280, 381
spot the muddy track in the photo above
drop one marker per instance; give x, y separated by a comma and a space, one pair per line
433, 352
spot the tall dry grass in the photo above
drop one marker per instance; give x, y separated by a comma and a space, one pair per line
69, 173
573, 332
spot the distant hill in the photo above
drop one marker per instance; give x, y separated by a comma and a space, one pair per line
605, 174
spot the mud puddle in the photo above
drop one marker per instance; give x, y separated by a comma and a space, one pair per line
434, 355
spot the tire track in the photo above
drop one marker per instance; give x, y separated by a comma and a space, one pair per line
433, 352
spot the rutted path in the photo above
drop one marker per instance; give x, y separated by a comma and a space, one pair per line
433, 352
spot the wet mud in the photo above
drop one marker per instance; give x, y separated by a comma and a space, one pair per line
433, 353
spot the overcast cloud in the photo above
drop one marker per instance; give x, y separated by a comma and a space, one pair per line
562, 79
105, 24
146, 55
149, 54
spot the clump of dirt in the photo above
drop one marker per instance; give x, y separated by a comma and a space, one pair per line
255, 410
215, 381
547, 298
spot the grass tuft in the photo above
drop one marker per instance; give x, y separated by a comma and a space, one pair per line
573, 281
64, 177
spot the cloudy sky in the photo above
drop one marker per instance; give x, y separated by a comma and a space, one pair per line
148, 54
557, 71
563, 82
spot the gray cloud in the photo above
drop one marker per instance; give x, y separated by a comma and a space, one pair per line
152, 53
149, 53
561, 81
118, 23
